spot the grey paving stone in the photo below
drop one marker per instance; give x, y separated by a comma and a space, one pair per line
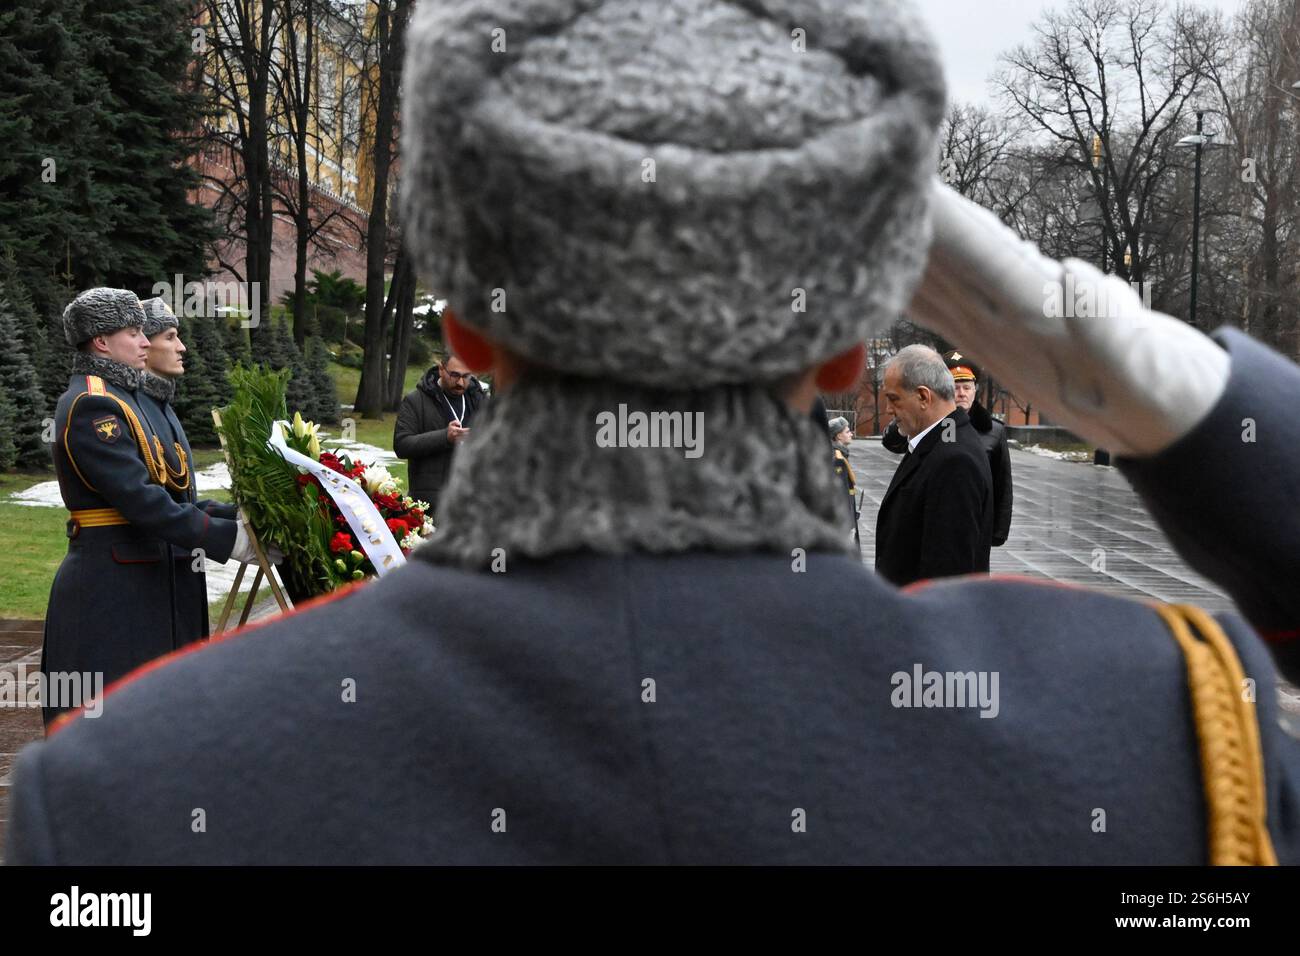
1074, 523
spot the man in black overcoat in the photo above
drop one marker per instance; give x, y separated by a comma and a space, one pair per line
936, 519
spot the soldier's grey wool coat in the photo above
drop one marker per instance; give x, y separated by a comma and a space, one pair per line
113, 601
690, 709
189, 582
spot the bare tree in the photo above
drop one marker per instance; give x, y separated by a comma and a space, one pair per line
390, 21
310, 27
1107, 82
240, 60
1252, 80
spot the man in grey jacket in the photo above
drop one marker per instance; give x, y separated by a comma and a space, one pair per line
623, 652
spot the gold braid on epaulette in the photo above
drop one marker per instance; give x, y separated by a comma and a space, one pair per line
157, 467
1232, 762
173, 479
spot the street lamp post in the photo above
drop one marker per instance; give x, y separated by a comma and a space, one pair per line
1196, 216
1198, 141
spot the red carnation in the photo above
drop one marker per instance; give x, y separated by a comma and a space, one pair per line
331, 460
398, 527
387, 503
341, 543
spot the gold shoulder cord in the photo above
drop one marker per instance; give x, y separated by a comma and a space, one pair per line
1232, 762
157, 467
174, 478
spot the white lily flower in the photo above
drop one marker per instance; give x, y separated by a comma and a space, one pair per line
378, 481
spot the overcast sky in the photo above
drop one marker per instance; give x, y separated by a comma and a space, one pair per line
971, 34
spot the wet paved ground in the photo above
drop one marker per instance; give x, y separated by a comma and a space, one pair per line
1068, 518
20, 656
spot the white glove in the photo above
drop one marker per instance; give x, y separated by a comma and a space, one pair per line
243, 550
1131, 380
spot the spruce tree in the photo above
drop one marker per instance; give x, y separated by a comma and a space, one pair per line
49, 209
203, 387
196, 396
137, 57
236, 338
206, 338
21, 385
318, 369
97, 112
281, 352
8, 428
53, 354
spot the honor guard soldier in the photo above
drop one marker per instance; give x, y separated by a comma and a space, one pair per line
112, 604
165, 364
627, 655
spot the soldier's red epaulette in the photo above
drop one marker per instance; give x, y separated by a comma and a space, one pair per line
95, 385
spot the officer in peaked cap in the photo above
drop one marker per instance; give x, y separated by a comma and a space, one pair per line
993, 436
112, 603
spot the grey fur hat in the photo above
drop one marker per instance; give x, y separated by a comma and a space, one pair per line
837, 425
100, 311
690, 191
158, 316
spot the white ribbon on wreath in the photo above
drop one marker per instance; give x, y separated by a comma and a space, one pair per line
363, 517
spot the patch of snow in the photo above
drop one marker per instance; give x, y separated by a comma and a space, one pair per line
371, 454
213, 478
44, 495
1058, 455
220, 577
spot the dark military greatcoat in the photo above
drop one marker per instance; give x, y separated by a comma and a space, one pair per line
113, 604
190, 588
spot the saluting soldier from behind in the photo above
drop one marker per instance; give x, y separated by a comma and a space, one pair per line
992, 435
165, 364
111, 605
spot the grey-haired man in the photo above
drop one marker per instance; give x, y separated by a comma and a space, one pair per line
936, 519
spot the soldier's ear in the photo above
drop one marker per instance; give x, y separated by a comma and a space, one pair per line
841, 372
470, 347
